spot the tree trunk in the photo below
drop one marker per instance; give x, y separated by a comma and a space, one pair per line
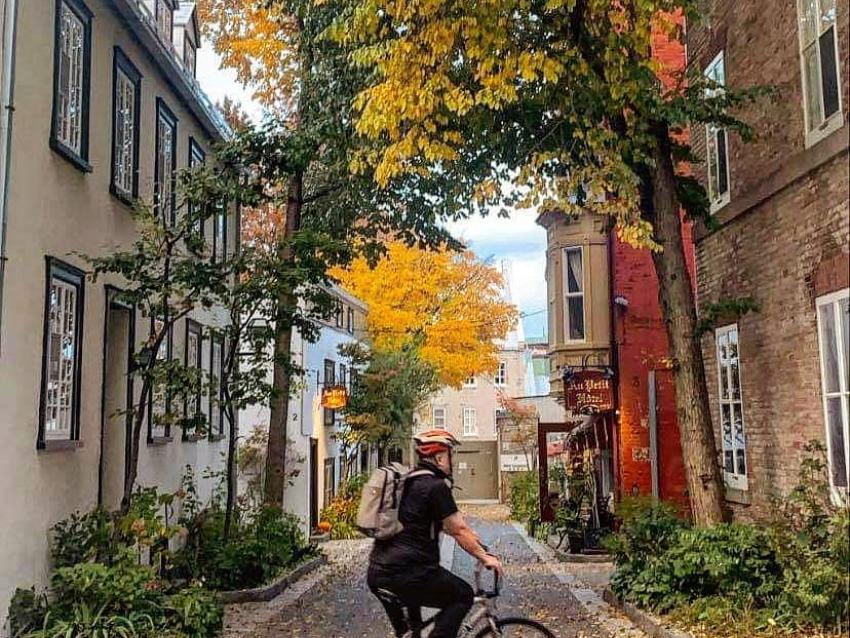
675, 293
275, 480
232, 486
131, 472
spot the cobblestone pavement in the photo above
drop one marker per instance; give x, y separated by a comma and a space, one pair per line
335, 603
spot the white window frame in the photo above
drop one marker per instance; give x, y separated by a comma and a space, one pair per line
439, 422
839, 494
574, 295
829, 125
732, 479
470, 382
716, 200
500, 380
470, 422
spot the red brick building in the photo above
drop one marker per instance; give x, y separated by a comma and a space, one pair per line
778, 377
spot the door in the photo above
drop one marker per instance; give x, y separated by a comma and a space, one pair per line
119, 325
314, 484
475, 471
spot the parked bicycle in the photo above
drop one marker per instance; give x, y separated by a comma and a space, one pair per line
482, 621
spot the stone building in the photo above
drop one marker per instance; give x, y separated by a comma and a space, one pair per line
99, 107
777, 376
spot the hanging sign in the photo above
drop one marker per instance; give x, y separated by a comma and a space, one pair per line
334, 397
589, 391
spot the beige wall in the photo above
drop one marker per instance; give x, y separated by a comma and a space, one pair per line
589, 232
54, 209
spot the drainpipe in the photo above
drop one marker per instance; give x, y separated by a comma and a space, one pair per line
615, 366
7, 97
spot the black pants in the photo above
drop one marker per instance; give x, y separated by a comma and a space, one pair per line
426, 586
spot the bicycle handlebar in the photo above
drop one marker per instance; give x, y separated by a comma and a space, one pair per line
479, 590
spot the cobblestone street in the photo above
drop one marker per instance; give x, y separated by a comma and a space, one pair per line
335, 603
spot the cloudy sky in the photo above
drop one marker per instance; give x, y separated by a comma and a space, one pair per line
517, 240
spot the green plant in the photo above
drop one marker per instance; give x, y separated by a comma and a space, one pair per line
88, 622
82, 538
341, 513
195, 612
524, 498
26, 611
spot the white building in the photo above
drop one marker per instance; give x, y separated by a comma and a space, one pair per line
313, 453
98, 108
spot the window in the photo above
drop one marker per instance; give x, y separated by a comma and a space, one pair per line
438, 417
574, 293
343, 375
166, 161
350, 321
216, 388
501, 378
834, 339
716, 145
60, 377
165, 19
329, 380
731, 408
470, 424
819, 60
340, 315
220, 233
330, 480
71, 78
159, 403
189, 54
193, 362
126, 96
470, 382
197, 157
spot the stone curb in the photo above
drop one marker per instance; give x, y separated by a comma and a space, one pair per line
566, 557
650, 624
268, 592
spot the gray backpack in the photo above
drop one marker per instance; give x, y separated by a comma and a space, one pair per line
381, 500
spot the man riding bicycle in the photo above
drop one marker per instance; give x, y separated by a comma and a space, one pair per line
408, 564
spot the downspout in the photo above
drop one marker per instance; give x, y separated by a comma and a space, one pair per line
10, 31
615, 366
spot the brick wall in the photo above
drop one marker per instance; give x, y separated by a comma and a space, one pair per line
774, 253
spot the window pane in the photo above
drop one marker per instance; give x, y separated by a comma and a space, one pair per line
835, 431
811, 83
61, 360
722, 163
808, 20
71, 58
575, 281
711, 161
576, 317
827, 13
829, 73
829, 343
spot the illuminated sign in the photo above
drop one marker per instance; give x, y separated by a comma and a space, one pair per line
334, 397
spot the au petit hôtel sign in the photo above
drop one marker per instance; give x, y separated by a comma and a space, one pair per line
334, 397
589, 390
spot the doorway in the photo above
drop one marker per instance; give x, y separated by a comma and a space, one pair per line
314, 484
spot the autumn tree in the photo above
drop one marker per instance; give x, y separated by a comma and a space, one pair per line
564, 100
518, 428
277, 48
449, 303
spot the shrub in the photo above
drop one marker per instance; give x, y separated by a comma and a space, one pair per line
82, 538
341, 513
524, 499
194, 612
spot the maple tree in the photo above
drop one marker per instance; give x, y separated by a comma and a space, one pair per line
564, 100
449, 303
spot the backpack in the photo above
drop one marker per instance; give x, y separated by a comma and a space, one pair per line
377, 516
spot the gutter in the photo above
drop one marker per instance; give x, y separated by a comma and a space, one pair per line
7, 97
615, 366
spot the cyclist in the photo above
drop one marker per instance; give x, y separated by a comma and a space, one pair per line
408, 564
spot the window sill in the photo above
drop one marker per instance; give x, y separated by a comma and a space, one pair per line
58, 446
156, 441
215, 438
720, 204
71, 156
741, 497
193, 438
826, 129
128, 200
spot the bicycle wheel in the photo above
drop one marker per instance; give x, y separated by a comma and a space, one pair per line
517, 628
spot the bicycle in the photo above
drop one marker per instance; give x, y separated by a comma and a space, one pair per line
483, 615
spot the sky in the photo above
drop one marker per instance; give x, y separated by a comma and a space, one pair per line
517, 240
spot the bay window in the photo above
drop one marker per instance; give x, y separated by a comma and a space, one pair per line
574, 293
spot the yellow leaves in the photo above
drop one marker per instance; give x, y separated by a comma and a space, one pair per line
451, 302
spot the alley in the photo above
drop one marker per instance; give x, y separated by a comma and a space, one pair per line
335, 603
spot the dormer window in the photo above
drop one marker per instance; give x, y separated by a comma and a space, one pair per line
189, 54
165, 18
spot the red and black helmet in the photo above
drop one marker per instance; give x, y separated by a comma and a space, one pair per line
431, 442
